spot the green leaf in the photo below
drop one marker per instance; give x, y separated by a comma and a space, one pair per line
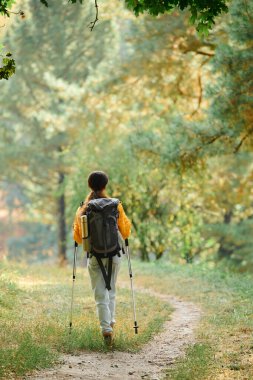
194, 15
44, 2
8, 68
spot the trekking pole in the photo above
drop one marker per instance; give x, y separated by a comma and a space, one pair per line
74, 278
132, 287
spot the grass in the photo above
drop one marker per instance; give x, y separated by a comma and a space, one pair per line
34, 317
224, 348
195, 365
26, 355
35, 305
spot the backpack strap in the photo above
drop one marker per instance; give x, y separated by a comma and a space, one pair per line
107, 276
109, 271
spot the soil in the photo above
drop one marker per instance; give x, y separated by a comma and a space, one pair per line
150, 363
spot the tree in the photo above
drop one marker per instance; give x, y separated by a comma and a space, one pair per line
134, 107
226, 126
43, 106
223, 127
202, 13
232, 93
228, 200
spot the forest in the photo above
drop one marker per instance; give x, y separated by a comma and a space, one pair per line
160, 97
166, 113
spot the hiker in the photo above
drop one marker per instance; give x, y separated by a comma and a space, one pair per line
104, 293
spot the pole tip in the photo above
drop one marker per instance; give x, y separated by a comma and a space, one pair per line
136, 328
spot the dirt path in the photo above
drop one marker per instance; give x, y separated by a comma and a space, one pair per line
149, 363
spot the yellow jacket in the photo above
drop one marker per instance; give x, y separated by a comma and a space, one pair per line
124, 225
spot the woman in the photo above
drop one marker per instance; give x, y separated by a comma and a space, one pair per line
105, 300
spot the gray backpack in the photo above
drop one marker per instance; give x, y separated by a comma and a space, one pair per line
102, 215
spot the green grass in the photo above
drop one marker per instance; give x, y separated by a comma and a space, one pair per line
224, 348
26, 355
35, 306
195, 365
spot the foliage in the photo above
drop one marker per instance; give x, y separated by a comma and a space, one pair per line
229, 201
161, 112
5, 5
140, 195
229, 117
175, 142
202, 12
39, 132
228, 125
138, 141
8, 66
231, 94
32, 245
225, 124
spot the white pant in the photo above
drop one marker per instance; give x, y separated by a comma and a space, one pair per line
105, 300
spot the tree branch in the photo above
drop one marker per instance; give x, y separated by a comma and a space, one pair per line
20, 12
213, 139
238, 146
200, 94
200, 86
192, 50
93, 23
204, 53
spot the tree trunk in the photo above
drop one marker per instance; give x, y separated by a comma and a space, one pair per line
144, 254
62, 238
225, 250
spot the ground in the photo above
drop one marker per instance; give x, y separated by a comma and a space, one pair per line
149, 363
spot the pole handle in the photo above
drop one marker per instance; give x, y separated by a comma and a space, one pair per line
126, 242
76, 244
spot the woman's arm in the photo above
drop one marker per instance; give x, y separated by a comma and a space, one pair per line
124, 223
77, 232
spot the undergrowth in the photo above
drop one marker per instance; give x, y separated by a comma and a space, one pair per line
35, 303
224, 347
35, 312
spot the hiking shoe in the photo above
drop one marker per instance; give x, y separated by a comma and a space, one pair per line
108, 338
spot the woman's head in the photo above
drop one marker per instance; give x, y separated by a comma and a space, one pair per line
97, 180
